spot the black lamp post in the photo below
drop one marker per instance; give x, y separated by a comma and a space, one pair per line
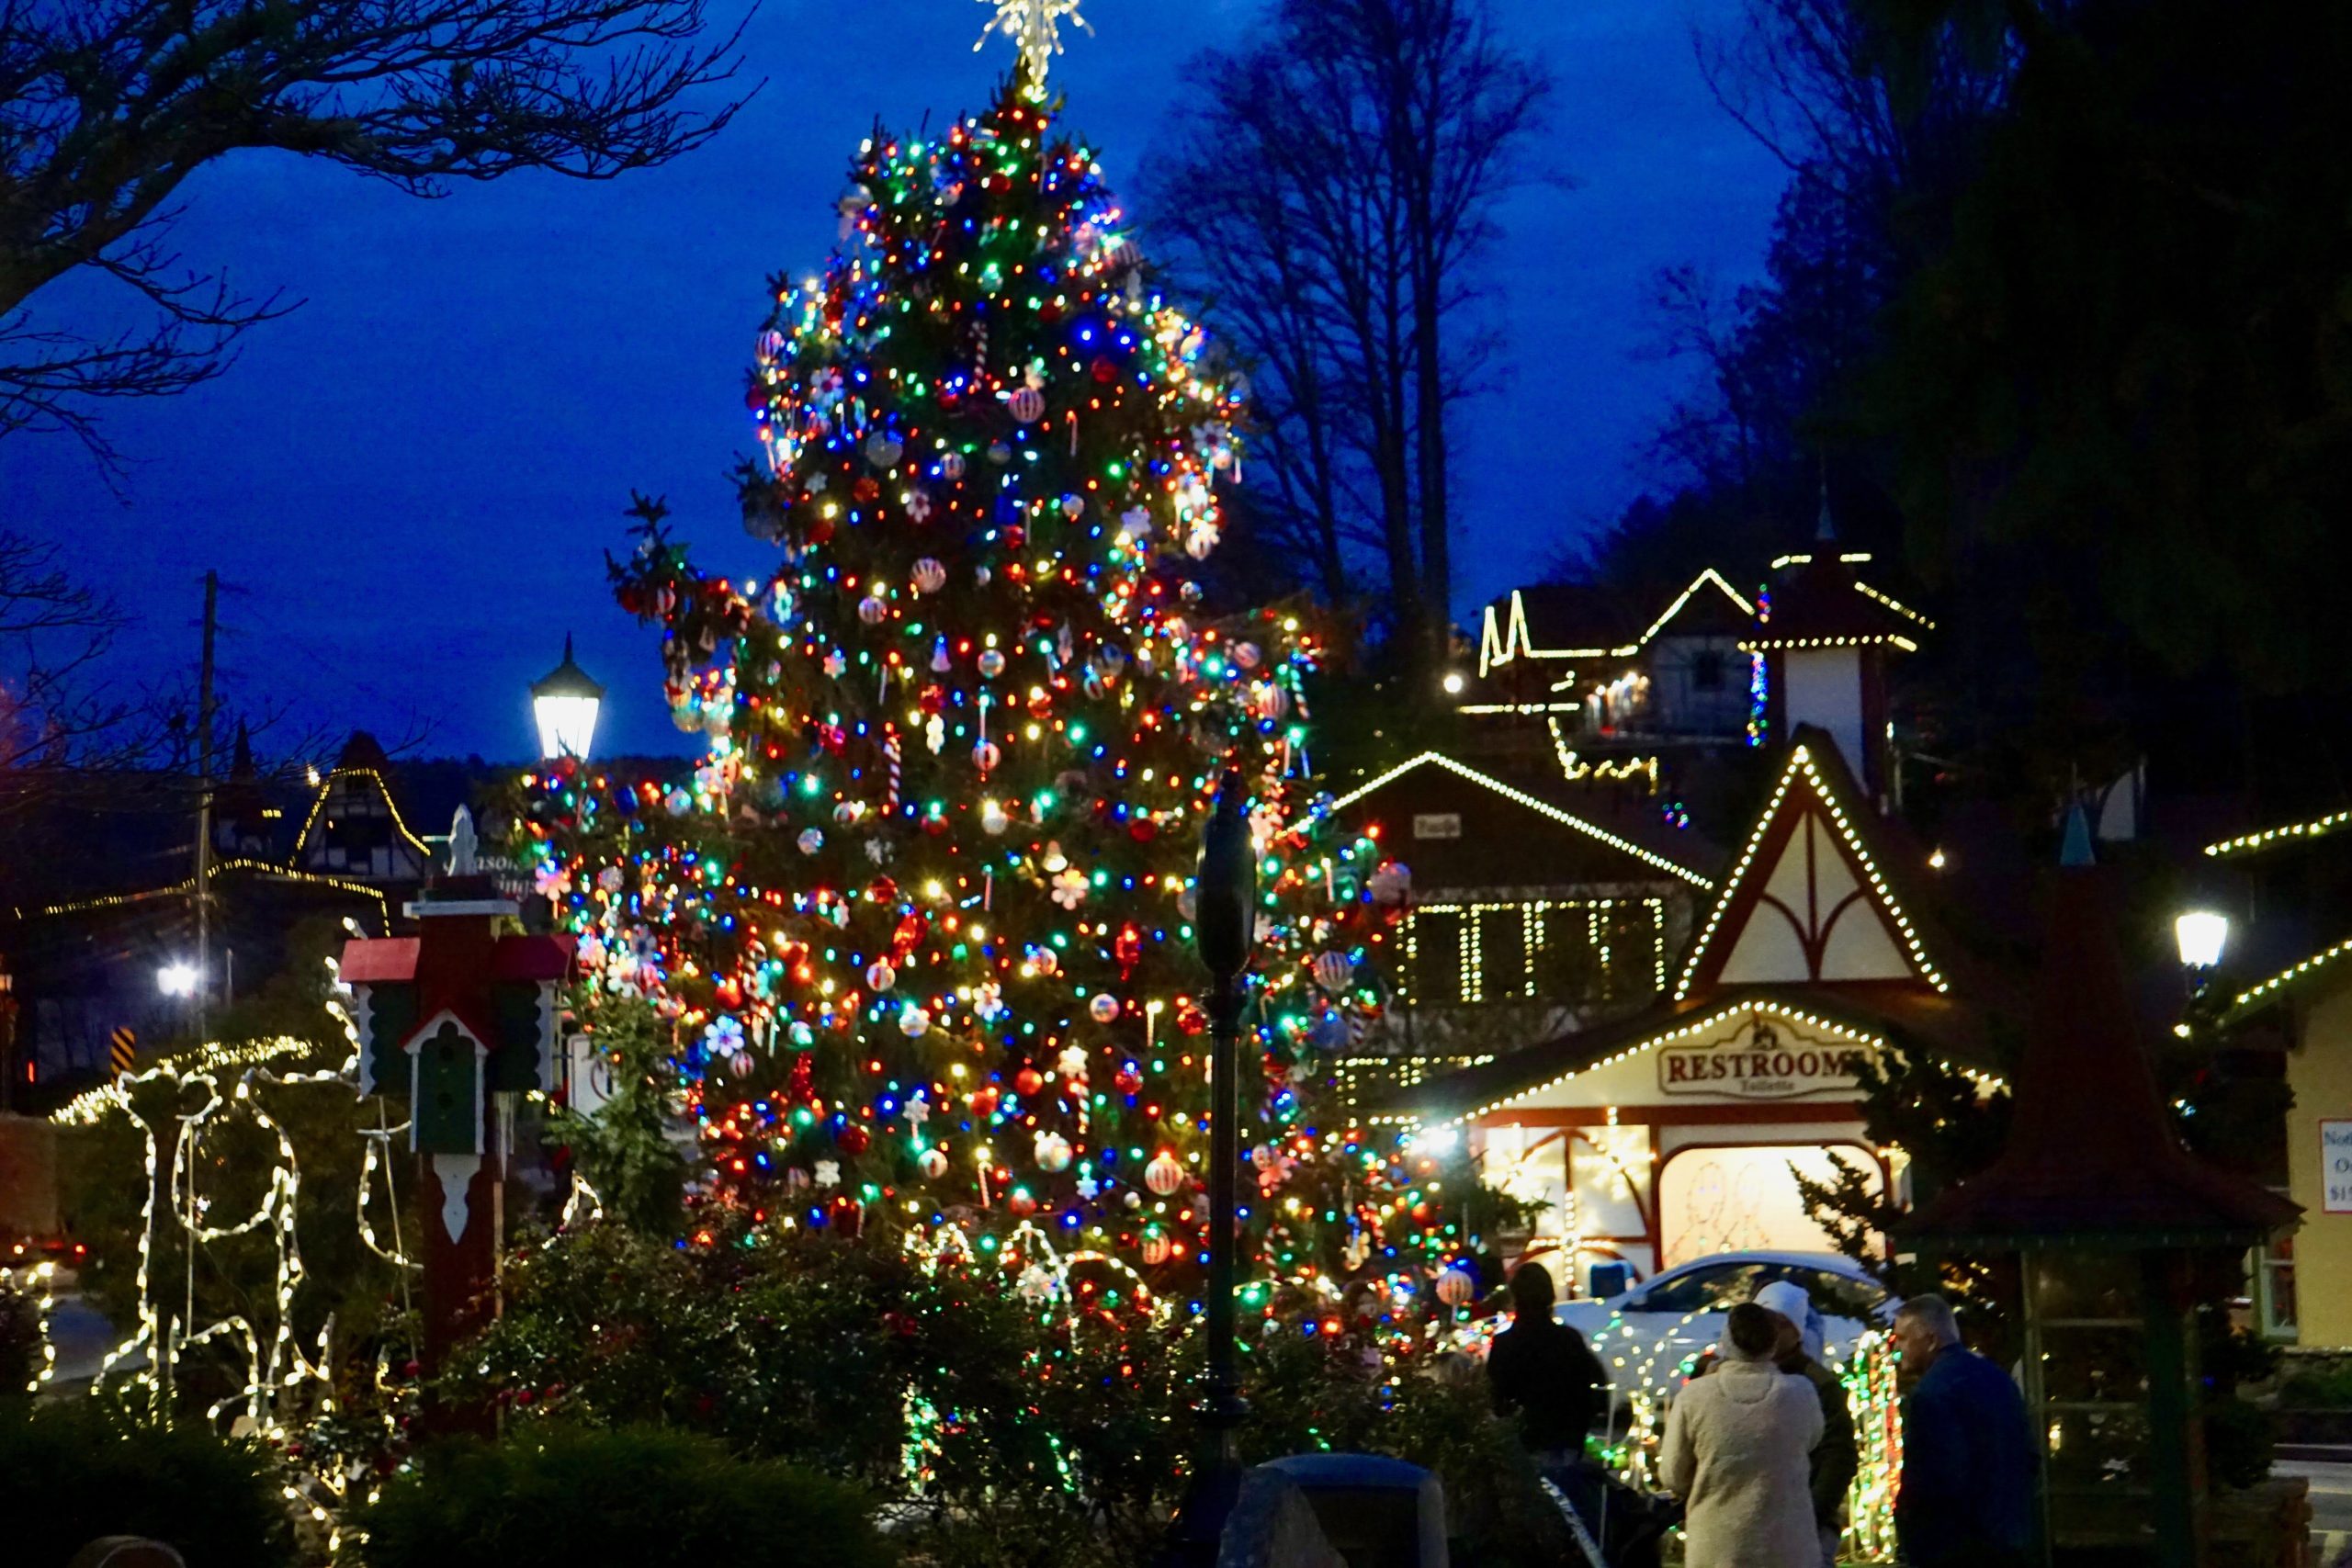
1225, 923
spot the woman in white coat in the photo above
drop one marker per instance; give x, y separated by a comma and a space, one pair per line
1735, 1450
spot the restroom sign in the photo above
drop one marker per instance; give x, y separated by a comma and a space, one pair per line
2336, 1168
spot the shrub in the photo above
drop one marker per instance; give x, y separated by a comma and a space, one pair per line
553, 1497
71, 1473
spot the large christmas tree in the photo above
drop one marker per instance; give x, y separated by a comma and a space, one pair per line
920, 918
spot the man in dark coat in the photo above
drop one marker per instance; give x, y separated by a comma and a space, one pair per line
1541, 1371
1966, 1500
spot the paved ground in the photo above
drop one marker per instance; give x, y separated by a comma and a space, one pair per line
2330, 1504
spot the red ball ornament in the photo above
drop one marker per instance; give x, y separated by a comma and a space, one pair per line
985, 1101
1028, 1082
854, 1140
1128, 1080
1021, 1202
1158, 1249
1163, 1174
1104, 371
1143, 832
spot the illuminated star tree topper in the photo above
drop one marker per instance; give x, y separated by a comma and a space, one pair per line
1035, 25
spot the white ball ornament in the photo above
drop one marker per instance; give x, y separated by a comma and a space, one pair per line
883, 452
1264, 1156
846, 813
1028, 404
678, 802
1163, 1174
950, 464
914, 1024
993, 818
1000, 454
1246, 655
1053, 1153
1103, 1008
741, 1064
930, 577
984, 756
1456, 1285
879, 976
1390, 882
991, 663
934, 1164
811, 839
1073, 507
871, 610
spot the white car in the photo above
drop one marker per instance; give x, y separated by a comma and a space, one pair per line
1647, 1336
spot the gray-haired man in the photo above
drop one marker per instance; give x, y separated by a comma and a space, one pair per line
1967, 1491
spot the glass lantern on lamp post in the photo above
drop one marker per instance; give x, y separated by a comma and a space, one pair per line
565, 702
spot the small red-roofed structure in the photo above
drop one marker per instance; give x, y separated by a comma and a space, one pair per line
457, 1021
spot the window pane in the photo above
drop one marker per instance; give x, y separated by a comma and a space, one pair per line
1502, 953
1437, 956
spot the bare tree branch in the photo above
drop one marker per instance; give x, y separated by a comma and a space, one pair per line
107, 105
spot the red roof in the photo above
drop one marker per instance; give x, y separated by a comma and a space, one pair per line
2092, 1158
373, 961
1825, 602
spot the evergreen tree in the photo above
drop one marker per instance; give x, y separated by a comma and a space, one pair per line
920, 918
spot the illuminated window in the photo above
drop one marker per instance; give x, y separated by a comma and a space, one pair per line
1571, 952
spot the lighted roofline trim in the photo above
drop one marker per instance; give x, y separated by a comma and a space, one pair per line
1891, 603
2317, 827
187, 884
1517, 640
1766, 644
1801, 759
2293, 972
1850, 558
1544, 808
1710, 1021
318, 804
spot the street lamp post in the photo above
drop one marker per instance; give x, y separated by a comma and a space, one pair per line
1225, 923
564, 702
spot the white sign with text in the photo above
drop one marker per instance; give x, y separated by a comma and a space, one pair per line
2336, 1166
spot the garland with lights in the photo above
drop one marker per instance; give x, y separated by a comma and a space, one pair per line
920, 919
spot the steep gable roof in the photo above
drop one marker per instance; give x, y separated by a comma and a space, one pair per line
1619, 841
1809, 898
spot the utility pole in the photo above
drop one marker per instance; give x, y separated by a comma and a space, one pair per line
204, 804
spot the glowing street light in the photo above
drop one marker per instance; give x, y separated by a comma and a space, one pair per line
176, 979
565, 702
2201, 935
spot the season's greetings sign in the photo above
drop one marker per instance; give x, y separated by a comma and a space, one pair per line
1764, 1061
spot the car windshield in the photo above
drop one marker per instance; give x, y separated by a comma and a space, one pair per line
1834, 1295
1719, 1287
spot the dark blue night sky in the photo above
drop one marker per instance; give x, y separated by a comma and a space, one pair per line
411, 481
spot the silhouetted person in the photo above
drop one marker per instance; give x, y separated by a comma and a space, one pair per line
1966, 1500
1541, 1371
